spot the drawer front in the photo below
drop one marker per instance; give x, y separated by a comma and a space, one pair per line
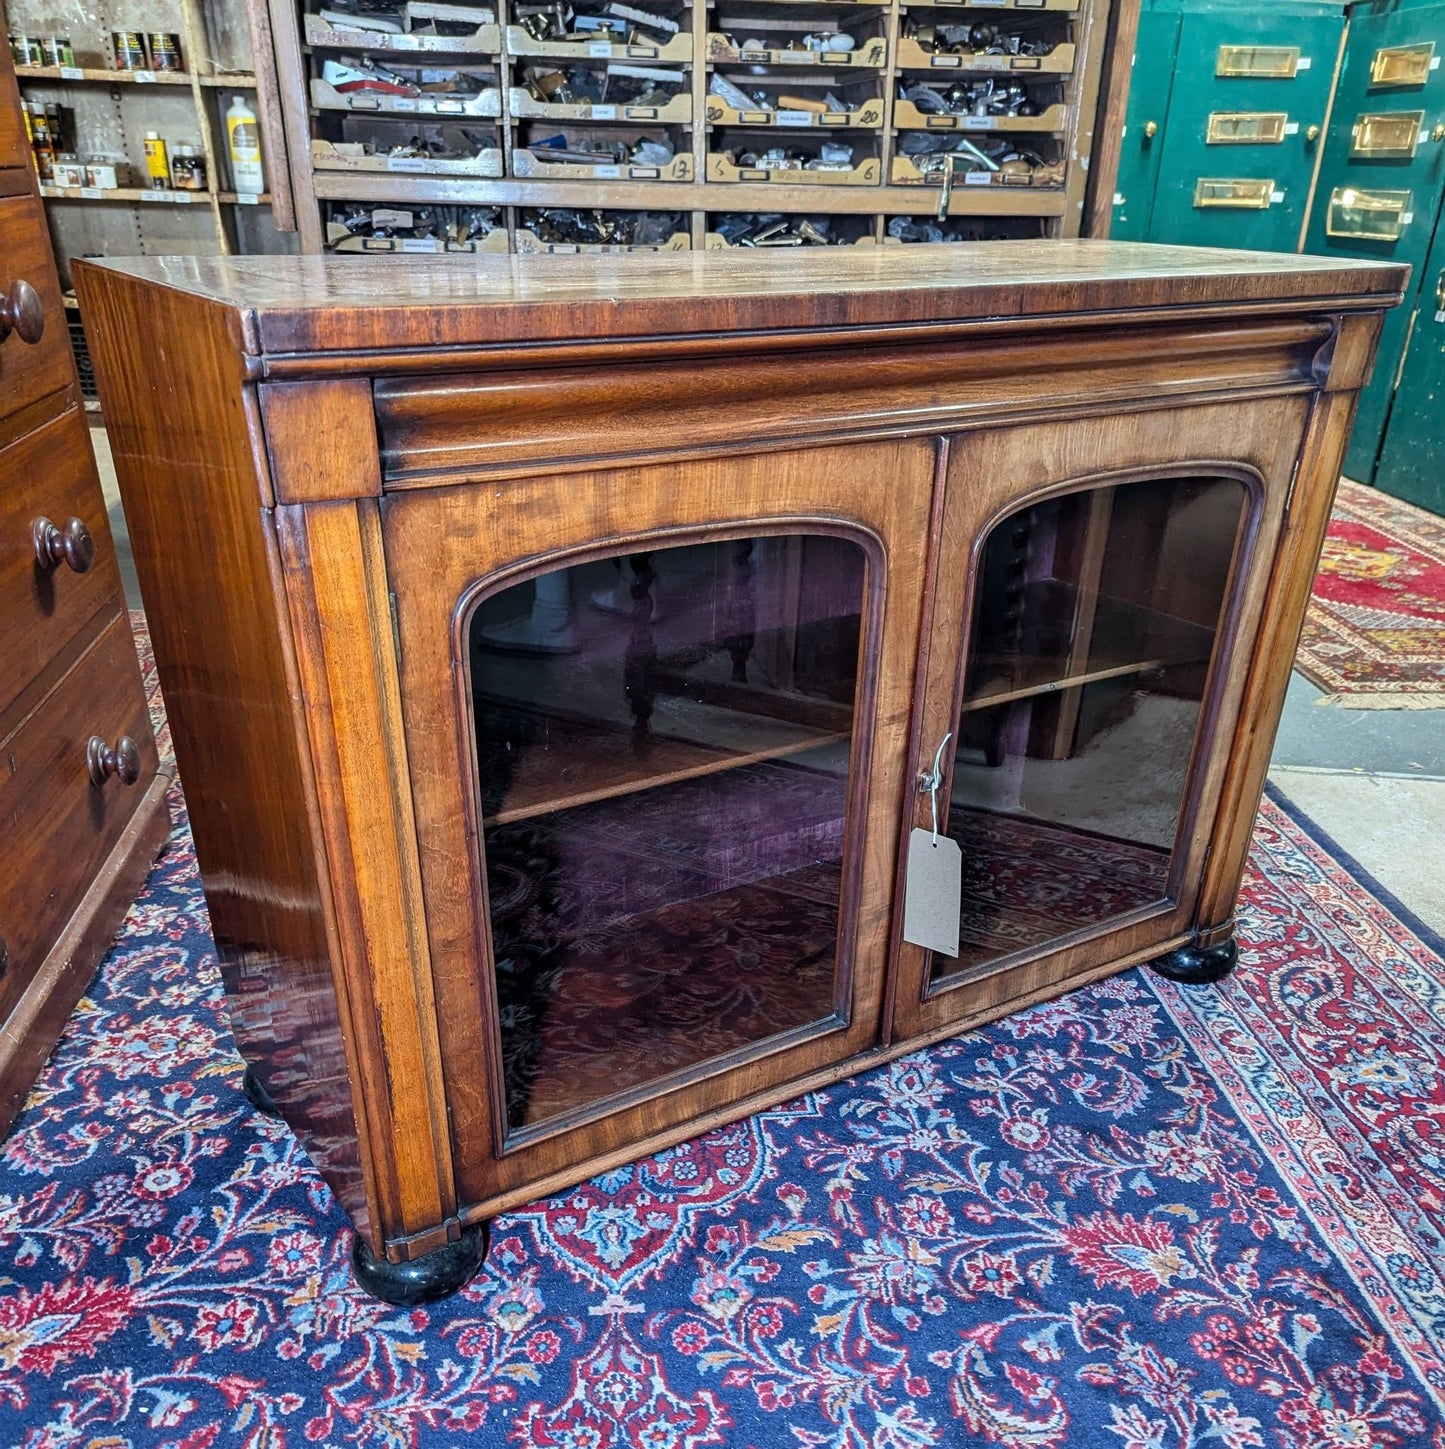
31, 370
56, 826
14, 150
49, 477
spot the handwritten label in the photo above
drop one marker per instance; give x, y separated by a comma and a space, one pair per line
978, 178
604, 113
976, 123
794, 118
403, 103
607, 173
247, 198
599, 47
407, 163
92, 193
143, 77
71, 72
418, 244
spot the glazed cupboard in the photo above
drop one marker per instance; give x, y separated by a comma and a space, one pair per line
601, 660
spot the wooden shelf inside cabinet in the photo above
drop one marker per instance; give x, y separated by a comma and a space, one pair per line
128, 194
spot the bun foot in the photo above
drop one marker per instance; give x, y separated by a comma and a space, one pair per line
1198, 965
424, 1279
258, 1096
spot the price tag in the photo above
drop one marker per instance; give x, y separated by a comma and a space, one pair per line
604, 113
599, 47
247, 198
92, 193
793, 118
1303, 63
978, 178
143, 77
71, 72
933, 892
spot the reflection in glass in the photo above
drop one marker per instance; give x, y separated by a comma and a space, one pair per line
1094, 620
662, 746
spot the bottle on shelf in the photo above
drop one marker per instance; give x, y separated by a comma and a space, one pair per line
158, 163
243, 138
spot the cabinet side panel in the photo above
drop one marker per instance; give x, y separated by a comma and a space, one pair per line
190, 464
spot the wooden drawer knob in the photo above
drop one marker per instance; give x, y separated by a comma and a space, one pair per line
22, 312
123, 761
71, 545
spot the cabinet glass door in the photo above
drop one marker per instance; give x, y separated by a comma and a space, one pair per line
654, 734
1093, 623
662, 744
1095, 600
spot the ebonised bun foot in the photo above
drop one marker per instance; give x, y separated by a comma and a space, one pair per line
1198, 965
424, 1279
258, 1096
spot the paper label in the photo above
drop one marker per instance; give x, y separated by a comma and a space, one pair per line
92, 193
978, 178
143, 77
418, 244
599, 47
933, 892
1440, 316
407, 42
407, 163
793, 118
155, 196
181, 198
71, 72
1434, 62
403, 103
1303, 63
1291, 128
945, 62
975, 123
604, 113
1118, 198
247, 198
1407, 218
1275, 197
607, 173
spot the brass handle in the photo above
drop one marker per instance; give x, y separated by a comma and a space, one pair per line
1312, 134
1151, 129
72, 545
22, 312
1438, 134
123, 761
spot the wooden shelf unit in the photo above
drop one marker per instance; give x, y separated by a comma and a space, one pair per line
114, 109
703, 185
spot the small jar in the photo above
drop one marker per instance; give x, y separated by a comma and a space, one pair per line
130, 49
101, 174
165, 50
188, 169
67, 170
57, 50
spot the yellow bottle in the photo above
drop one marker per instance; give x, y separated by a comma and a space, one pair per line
158, 163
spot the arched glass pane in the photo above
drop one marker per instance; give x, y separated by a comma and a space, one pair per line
1094, 621
663, 745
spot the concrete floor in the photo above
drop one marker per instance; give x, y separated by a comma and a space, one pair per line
1372, 779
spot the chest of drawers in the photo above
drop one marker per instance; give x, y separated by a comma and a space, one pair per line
81, 799
578, 670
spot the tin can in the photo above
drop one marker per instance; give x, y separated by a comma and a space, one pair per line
165, 50
188, 169
25, 49
100, 173
66, 170
130, 49
56, 50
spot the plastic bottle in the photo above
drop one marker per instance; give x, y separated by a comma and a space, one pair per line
243, 136
158, 163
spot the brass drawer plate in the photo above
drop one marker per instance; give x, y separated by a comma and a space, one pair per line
1387, 135
1367, 215
1403, 65
1258, 62
1246, 128
1232, 193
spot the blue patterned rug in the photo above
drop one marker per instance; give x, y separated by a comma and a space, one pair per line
1142, 1216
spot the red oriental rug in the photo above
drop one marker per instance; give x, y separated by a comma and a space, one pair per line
1374, 637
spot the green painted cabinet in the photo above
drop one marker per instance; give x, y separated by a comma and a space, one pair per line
1227, 104
1382, 179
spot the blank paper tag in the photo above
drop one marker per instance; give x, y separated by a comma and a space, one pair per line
933, 892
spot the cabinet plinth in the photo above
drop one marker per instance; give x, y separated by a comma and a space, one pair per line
593, 641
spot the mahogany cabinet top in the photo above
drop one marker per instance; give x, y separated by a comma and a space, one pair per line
287, 306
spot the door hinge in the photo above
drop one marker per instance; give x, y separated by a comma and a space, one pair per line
395, 628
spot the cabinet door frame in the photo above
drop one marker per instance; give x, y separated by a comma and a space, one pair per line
447, 548
993, 474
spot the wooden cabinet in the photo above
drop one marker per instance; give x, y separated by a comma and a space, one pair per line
81, 798
593, 646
